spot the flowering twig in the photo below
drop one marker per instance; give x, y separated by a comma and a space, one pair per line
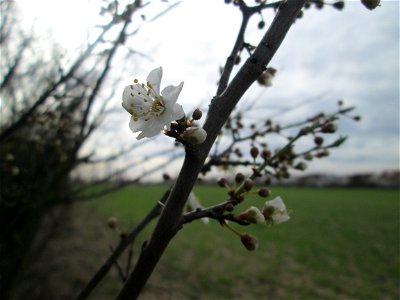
220, 109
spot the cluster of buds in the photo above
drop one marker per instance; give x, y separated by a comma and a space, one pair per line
186, 131
241, 187
273, 212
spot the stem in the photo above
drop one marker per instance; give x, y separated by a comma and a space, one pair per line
232, 229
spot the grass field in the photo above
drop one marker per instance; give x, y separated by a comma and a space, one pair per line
339, 244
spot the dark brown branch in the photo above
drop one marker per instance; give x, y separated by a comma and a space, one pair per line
220, 109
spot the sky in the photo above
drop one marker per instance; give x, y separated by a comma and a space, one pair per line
327, 55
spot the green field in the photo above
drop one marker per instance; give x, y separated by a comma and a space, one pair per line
339, 244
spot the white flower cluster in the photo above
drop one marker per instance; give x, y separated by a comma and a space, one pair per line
274, 211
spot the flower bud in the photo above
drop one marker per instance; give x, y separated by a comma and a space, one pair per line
263, 192
338, 5
266, 77
305, 130
318, 140
254, 152
249, 241
301, 166
194, 135
266, 154
248, 184
222, 182
229, 207
308, 156
319, 4
371, 4
166, 177
112, 222
252, 215
14, 170
239, 178
239, 198
322, 153
197, 114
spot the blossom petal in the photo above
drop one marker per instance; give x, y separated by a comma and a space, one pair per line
177, 111
280, 218
277, 203
171, 93
127, 98
154, 78
150, 128
136, 126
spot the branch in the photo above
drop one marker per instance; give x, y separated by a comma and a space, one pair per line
124, 243
220, 109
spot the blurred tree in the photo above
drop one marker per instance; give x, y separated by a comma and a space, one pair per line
51, 103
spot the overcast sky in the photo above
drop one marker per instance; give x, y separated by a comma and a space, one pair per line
328, 55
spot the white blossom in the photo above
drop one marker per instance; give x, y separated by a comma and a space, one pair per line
275, 211
151, 110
